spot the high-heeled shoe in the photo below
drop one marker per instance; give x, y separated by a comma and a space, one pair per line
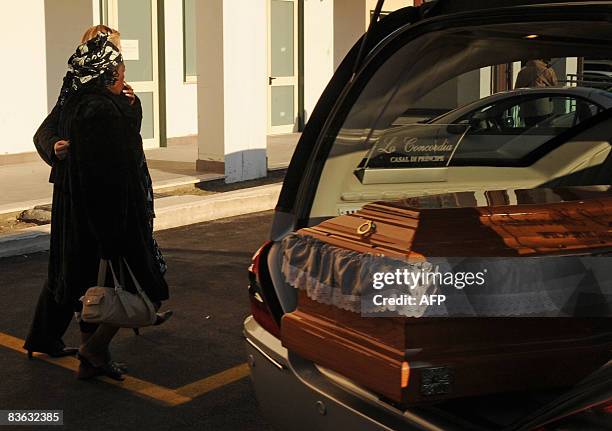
119, 366
163, 317
66, 351
88, 371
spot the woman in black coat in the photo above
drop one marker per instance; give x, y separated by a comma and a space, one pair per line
51, 319
102, 197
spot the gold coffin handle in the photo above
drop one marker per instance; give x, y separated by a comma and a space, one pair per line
366, 228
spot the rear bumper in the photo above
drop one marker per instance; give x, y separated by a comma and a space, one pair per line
294, 394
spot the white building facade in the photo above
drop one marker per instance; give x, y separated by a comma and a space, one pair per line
226, 73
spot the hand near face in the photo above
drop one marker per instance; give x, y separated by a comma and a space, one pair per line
61, 149
128, 91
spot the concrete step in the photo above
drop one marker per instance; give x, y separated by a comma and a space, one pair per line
172, 211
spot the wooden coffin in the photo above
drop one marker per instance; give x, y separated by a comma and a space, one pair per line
412, 360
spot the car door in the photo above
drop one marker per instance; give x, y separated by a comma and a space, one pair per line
509, 129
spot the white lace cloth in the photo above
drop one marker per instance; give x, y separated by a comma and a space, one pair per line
546, 287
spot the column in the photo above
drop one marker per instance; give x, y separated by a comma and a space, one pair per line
349, 25
318, 50
232, 88
65, 23
24, 97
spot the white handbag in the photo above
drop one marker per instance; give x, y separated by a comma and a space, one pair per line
116, 306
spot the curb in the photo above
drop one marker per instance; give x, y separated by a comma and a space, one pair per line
171, 212
158, 186
22, 206
29, 240
175, 211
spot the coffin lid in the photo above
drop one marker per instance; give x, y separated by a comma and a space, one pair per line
508, 197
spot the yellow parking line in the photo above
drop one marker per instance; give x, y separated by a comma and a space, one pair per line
166, 396
150, 390
215, 381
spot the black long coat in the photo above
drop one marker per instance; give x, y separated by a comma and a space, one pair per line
99, 199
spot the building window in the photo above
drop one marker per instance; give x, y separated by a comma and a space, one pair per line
189, 41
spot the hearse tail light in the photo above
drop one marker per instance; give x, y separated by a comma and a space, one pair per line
405, 374
257, 275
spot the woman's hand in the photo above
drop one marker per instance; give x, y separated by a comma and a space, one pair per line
61, 149
128, 91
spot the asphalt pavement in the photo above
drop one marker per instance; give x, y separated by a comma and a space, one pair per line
188, 374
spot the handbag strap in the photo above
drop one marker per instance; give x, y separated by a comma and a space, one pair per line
139, 289
102, 269
115, 280
102, 272
104, 264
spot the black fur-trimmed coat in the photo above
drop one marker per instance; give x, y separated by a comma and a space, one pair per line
99, 199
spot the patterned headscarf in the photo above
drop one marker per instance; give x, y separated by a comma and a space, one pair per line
94, 62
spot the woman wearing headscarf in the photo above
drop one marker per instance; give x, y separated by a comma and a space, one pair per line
49, 145
102, 196
50, 318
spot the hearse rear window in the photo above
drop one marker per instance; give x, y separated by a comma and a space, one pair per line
488, 107
500, 130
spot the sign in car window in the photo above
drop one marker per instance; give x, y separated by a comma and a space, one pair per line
415, 146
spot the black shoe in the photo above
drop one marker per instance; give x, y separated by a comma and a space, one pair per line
65, 351
163, 317
120, 366
110, 370
88, 371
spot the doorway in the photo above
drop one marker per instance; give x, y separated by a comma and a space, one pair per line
137, 21
283, 66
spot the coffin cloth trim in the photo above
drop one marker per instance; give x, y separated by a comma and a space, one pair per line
542, 287
338, 277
